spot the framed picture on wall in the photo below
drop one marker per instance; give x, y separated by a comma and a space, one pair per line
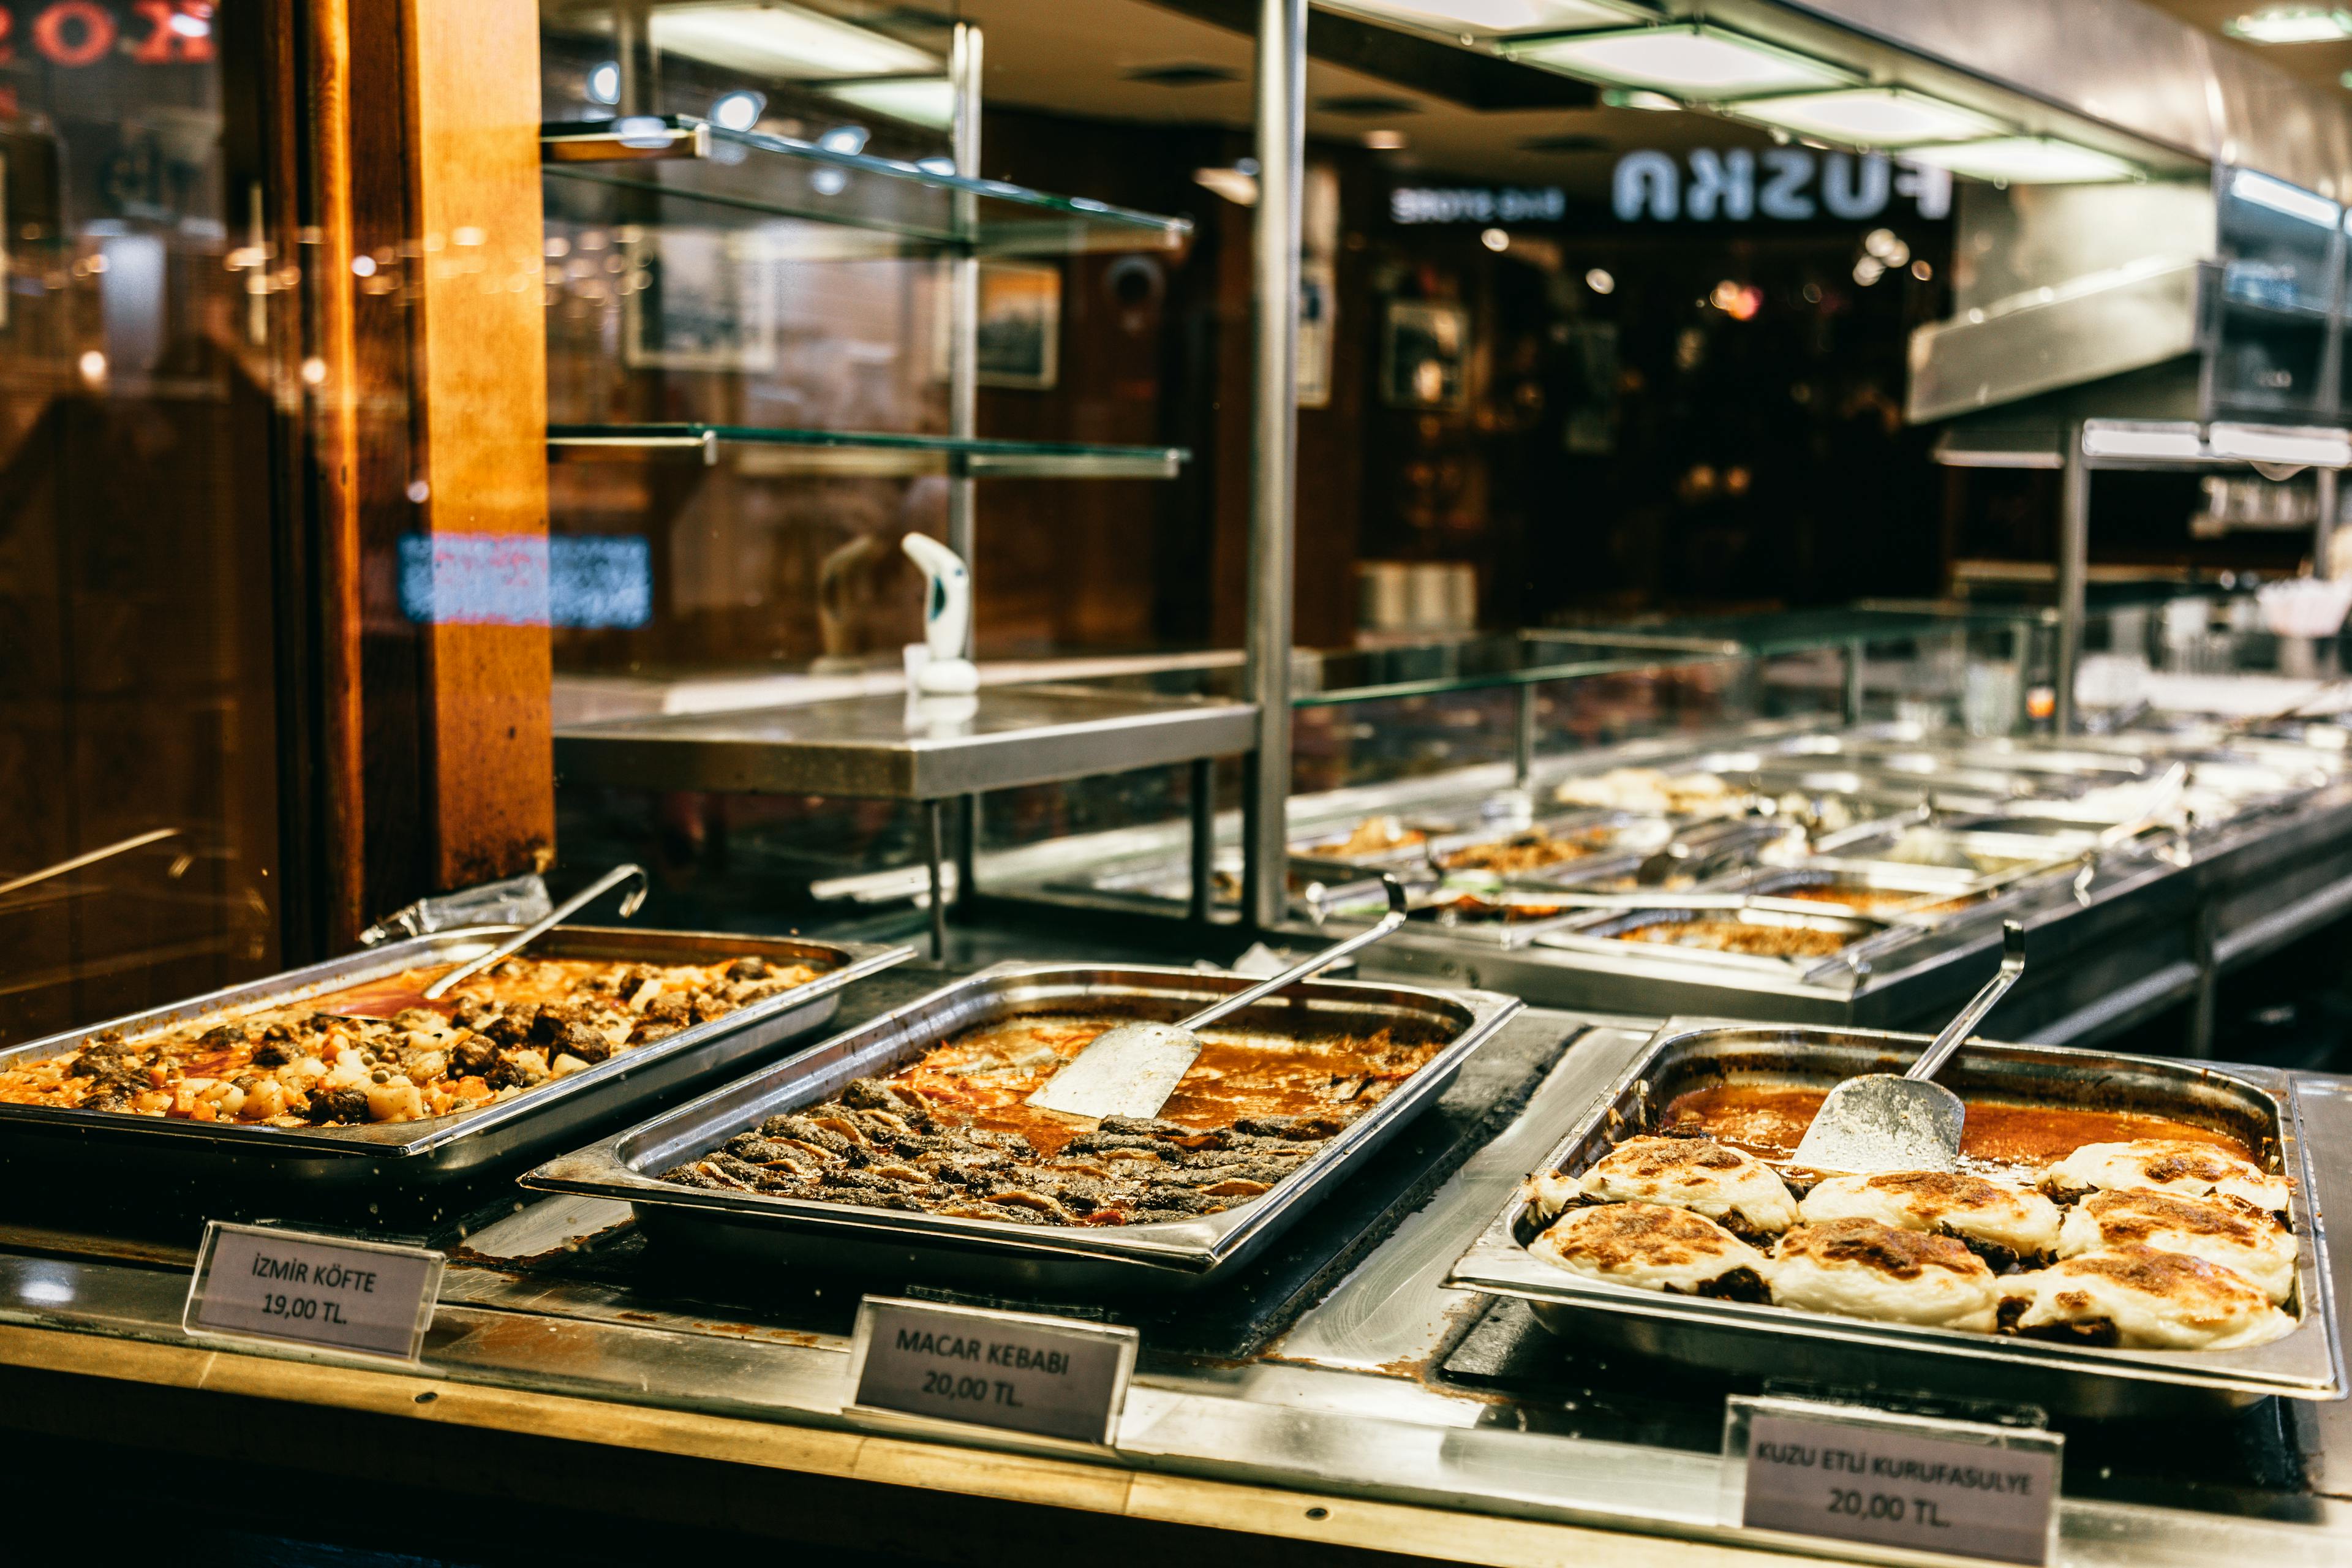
1020, 324
1424, 355
703, 300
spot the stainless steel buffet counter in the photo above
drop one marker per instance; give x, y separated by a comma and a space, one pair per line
1384, 1411
2231, 870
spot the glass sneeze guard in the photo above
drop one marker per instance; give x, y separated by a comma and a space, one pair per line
683, 159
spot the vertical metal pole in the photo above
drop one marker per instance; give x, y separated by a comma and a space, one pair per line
963, 288
633, 52
1274, 446
1204, 804
2323, 526
2074, 571
934, 815
1523, 734
1854, 683
964, 380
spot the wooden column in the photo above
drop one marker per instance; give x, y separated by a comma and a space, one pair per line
480, 387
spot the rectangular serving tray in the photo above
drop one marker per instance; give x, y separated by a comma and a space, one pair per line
1744, 1339
1048, 1262
150, 1153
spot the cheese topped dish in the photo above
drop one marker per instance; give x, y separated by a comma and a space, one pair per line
1735, 1190
2135, 1298
1655, 1246
2001, 1224
2183, 1169
2226, 1232
1861, 1269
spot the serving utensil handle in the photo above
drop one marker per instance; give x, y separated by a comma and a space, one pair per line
2012, 964
554, 917
1321, 961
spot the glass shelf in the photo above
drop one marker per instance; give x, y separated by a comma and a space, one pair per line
761, 175
871, 454
1474, 664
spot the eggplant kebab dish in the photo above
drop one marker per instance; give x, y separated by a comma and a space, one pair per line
951, 1133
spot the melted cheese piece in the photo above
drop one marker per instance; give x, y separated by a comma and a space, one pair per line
2163, 1165
1861, 1269
2224, 1231
1695, 1173
1967, 1207
2155, 1301
1551, 1194
1652, 1247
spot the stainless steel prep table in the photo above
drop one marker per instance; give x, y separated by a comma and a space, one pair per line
925, 748
1346, 1431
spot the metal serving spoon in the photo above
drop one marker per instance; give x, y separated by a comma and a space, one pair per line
379, 1004
1132, 1069
1882, 1123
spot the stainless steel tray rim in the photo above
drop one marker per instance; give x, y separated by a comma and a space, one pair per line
1196, 1247
421, 1136
1495, 1264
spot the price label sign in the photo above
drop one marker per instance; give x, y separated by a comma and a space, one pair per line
1851, 1473
1019, 1372
324, 1291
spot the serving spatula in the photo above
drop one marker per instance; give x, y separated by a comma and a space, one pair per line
1131, 1069
1883, 1122
372, 1002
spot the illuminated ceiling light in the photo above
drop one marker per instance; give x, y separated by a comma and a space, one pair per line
604, 83
2279, 197
738, 110
843, 139
1488, 17
1689, 59
1495, 238
1871, 117
1600, 282
915, 100
774, 39
1385, 140
2291, 24
2024, 160
1635, 97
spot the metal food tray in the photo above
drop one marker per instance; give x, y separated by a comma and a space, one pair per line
1601, 935
2257, 1104
327, 1163
1033, 1260
1624, 835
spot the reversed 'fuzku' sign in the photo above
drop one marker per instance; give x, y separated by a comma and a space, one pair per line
1019, 1372
1959, 1487
324, 1291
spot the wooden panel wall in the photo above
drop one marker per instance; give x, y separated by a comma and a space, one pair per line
481, 380
429, 423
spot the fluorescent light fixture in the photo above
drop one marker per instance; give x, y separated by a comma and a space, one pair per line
2024, 160
1689, 59
2279, 197
1488, 17
1871, 117
917, 101
2146, 442
2267, 444
2291, 25
781, 41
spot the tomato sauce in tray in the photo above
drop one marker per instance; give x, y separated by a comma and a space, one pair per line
1768, 1120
